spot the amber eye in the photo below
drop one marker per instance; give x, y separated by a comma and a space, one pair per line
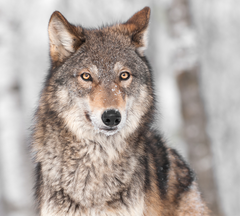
86, 76
124, 75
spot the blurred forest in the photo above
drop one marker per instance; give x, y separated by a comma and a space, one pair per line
194, 49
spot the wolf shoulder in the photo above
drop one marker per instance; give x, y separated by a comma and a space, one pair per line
172, 188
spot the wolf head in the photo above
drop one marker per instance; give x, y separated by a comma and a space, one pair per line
100, 81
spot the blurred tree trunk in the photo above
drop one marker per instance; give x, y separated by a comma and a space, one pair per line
187, 74
218, 26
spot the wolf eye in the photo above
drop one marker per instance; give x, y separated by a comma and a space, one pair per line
86, 76
124, 75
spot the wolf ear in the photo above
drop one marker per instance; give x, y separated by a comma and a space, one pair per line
64, 37
137, 28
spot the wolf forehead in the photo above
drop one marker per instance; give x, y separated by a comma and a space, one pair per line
107, 41
106, 49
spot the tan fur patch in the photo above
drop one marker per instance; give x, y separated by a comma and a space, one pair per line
100, 98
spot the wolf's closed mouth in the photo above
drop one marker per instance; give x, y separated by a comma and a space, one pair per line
109, 129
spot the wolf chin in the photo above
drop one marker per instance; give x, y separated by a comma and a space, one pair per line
96, 151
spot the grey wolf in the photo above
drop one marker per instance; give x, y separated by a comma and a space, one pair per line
96, 151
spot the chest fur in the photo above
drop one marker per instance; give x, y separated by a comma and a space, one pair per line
84, 177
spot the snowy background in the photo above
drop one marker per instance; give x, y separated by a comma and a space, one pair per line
194, 48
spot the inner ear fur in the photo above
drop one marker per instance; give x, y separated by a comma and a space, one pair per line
64, 37
137, 28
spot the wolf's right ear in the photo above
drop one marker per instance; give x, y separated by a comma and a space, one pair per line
64, 37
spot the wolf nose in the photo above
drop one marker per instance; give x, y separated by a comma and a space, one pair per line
111, 117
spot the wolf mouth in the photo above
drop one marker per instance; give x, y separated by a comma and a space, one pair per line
108, 129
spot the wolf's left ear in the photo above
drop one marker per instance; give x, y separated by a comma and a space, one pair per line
137, 28
64, 37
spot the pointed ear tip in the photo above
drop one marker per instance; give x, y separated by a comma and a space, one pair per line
55, 14
147, 10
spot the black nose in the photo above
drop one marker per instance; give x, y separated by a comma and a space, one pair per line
111, 117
